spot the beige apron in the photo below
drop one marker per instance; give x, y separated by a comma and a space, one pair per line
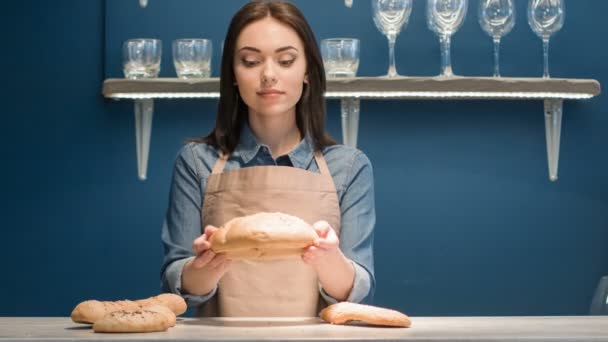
275, 288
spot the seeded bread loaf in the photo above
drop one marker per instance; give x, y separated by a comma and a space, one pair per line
132, 320
91, 311
169, 315
172, 301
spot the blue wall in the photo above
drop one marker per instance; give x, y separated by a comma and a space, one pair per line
468, 223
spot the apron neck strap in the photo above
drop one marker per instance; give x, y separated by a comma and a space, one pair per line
219, 164
323, 169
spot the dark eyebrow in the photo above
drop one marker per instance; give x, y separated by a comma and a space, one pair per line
285, 48
281, 49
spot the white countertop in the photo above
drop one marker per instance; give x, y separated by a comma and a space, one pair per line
495, 329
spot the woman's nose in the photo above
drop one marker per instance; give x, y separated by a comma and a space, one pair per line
269, 77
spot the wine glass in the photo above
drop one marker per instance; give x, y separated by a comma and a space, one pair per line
497, 18
390, 17
546, 17
444, 17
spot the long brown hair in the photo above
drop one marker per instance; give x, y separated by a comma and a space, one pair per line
232, 111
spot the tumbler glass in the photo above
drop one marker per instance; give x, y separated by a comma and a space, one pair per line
192, 58
141, 58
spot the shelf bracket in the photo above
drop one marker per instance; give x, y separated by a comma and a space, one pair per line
350, 109
553, 126
144, 110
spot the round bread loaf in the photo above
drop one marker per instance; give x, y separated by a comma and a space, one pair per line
263, 236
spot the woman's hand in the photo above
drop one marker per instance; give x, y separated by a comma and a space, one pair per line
205, 257
201, 274
335, 271
324, 247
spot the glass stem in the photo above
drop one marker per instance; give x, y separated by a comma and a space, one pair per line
545, 57
446, 63
392, 69
496, 56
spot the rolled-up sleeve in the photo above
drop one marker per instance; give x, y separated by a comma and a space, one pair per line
358, 218
182, 225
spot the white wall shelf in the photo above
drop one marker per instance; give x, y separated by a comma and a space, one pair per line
350, 91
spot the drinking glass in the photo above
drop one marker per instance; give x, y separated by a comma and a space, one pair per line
497, 18
546, 17
141, 58
390, 17
192, 58
340, 56
444, 17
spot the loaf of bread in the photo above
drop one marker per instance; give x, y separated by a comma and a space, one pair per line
133, 320
176, 303
263, 236
169, 315
344, 312
91, 311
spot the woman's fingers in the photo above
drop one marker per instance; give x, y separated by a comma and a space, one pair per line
311, 253
203, 259
201, 243
217, 261
325, 244
322, 228
327, 239
225, 265
211, 260
209, 230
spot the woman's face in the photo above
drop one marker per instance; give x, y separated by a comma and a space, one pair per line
270, 67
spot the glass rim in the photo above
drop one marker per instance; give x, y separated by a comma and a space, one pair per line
339, 39
132, 40
192, 39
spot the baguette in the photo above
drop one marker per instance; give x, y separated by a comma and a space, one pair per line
91, 311
344, 312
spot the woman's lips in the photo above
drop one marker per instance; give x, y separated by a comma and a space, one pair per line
270, 93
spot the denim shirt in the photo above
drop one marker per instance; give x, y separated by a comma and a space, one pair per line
352, 174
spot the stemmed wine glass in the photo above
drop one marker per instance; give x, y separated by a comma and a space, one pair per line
390, 17
546, 17
497, 18
444, 17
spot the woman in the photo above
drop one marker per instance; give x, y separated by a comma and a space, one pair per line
269, 152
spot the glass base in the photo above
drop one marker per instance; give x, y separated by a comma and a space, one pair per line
340, 73
135, 71
193, 73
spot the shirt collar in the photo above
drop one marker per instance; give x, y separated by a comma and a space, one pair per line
249, 147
